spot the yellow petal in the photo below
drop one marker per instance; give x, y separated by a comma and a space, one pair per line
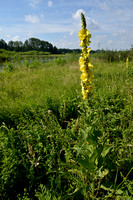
81, 44
82, 69
84, 97
81, 61
84, 77
88, 50
90, 65
89, 89
83, 33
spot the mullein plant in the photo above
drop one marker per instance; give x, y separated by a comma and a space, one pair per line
127, 62
84, 60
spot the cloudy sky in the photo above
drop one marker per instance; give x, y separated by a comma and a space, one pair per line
58, 21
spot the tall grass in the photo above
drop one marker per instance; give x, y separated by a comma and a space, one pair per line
54, 145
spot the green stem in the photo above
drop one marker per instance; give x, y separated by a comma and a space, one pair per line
126, 177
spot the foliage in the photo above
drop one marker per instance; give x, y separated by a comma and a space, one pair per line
55, 146
28, 45
114, 55
34, 44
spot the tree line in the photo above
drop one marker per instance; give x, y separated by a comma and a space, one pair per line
33, 44
29, 45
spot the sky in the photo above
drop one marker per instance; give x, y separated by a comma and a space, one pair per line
110, 22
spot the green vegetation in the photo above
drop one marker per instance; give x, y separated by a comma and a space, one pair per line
28, 45
33, 44
56, 146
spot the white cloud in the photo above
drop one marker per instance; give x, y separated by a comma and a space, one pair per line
29, 34
67, 42
99, 39
15, 38
50, 3
92, 24
49, 28
8, 36
34, 3
77, 15
110, 42
104, 6
71, 32
42, 16
77, 22
76, 26
32, 19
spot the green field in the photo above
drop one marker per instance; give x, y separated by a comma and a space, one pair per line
56, 146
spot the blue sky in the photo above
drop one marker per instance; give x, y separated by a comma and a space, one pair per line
110, 22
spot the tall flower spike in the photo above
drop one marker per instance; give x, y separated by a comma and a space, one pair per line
84, 60
127, 62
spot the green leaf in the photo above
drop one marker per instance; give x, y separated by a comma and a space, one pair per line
105, 188
75, 193
94, 156
105, 151
86, 164
103, 173
119, 192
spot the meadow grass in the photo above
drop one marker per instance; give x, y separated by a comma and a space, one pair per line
51, 138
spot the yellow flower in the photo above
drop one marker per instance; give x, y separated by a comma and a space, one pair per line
90, 65
84, 97
127, 62
82, 34
88, 50
84, 60
88, 39
83, 93
82, 69
86, 55
89, 88
84, 77
81, 61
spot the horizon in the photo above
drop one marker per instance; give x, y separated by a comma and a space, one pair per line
58, 22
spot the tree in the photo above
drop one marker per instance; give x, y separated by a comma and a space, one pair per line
26, 46
10, 45
29, 45
3, 44
18, 46
55, 50
46, 46
34, 43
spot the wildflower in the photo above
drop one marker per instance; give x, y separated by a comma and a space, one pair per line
127, 62
83, 33
84, 60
